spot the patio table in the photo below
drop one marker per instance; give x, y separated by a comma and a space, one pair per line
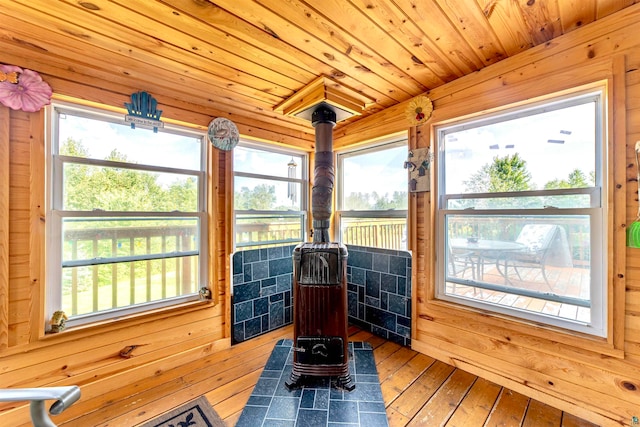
487, 249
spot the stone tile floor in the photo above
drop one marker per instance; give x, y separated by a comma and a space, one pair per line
318, 403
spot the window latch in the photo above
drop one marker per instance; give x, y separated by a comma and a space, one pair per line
550, 207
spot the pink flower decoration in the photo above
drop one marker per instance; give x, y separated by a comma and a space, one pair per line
30, 94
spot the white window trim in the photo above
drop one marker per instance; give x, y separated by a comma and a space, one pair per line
598, 222
304, 192
53, 266
387, 142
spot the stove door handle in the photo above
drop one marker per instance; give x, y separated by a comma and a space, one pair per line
320, 349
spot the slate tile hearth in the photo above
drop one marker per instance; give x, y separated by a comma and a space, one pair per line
378, 282
316, 404
262, 293
379, 292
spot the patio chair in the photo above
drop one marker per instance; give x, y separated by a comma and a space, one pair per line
459, 262
545, 244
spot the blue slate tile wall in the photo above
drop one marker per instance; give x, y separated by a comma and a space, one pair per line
379, 292
262, 297
378, 289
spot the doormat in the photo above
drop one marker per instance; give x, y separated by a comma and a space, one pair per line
317, 404
197, 413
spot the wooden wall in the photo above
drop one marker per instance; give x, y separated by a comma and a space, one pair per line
595, 379
106, 360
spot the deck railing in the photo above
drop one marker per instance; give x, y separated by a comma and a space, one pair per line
165, 272
506, 228
110, 285
379, 235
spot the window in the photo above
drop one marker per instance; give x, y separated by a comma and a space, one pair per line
521, 213
373, 196
126, 215
270, 196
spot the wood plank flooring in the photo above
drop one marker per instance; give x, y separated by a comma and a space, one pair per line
417, 390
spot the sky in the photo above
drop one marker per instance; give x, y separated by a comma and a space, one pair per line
140, 145
468, 150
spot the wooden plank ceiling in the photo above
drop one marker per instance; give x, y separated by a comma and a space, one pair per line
242, 58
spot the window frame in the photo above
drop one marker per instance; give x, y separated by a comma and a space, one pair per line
597, 211
302, 214
56, 214
398, 140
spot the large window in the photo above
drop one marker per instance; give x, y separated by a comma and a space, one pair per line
270, 196
521, 213
126, 215
373, 196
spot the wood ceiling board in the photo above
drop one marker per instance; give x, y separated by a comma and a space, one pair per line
542, 19
96, 32
423, 52
346, 31
427, 15
193, 34
471, 22
576, 13
607, 7
307, 40
261, 39
97, 64
137, 26
250, 56
506, 19
370, 39
59, 67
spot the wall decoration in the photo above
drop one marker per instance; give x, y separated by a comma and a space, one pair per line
633, 229
22, 89
419, 110
204, 293
143, 111
58, 322
223, 134
419, 163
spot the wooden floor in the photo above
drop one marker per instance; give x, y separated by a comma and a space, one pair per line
417, 390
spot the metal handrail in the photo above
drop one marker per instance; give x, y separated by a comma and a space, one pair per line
65, 397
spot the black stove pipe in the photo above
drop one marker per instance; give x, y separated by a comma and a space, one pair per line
323, 120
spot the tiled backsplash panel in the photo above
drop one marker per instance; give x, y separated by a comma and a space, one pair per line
262, 297
378, 282
379, 292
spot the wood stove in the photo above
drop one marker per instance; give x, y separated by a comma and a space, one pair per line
320, 339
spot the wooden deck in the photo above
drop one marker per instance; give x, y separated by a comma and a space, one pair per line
565, 281
418, 390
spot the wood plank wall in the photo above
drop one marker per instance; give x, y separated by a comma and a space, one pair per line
91, 356
598, 380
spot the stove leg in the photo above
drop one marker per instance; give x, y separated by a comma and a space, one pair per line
345, 383
295, 382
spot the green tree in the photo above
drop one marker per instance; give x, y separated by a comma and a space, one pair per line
576, 179
358, 201
375, 201
182, 196
120, 189
76, 176
262, 197
505, 174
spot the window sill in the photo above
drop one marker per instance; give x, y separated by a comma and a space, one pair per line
517, 331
